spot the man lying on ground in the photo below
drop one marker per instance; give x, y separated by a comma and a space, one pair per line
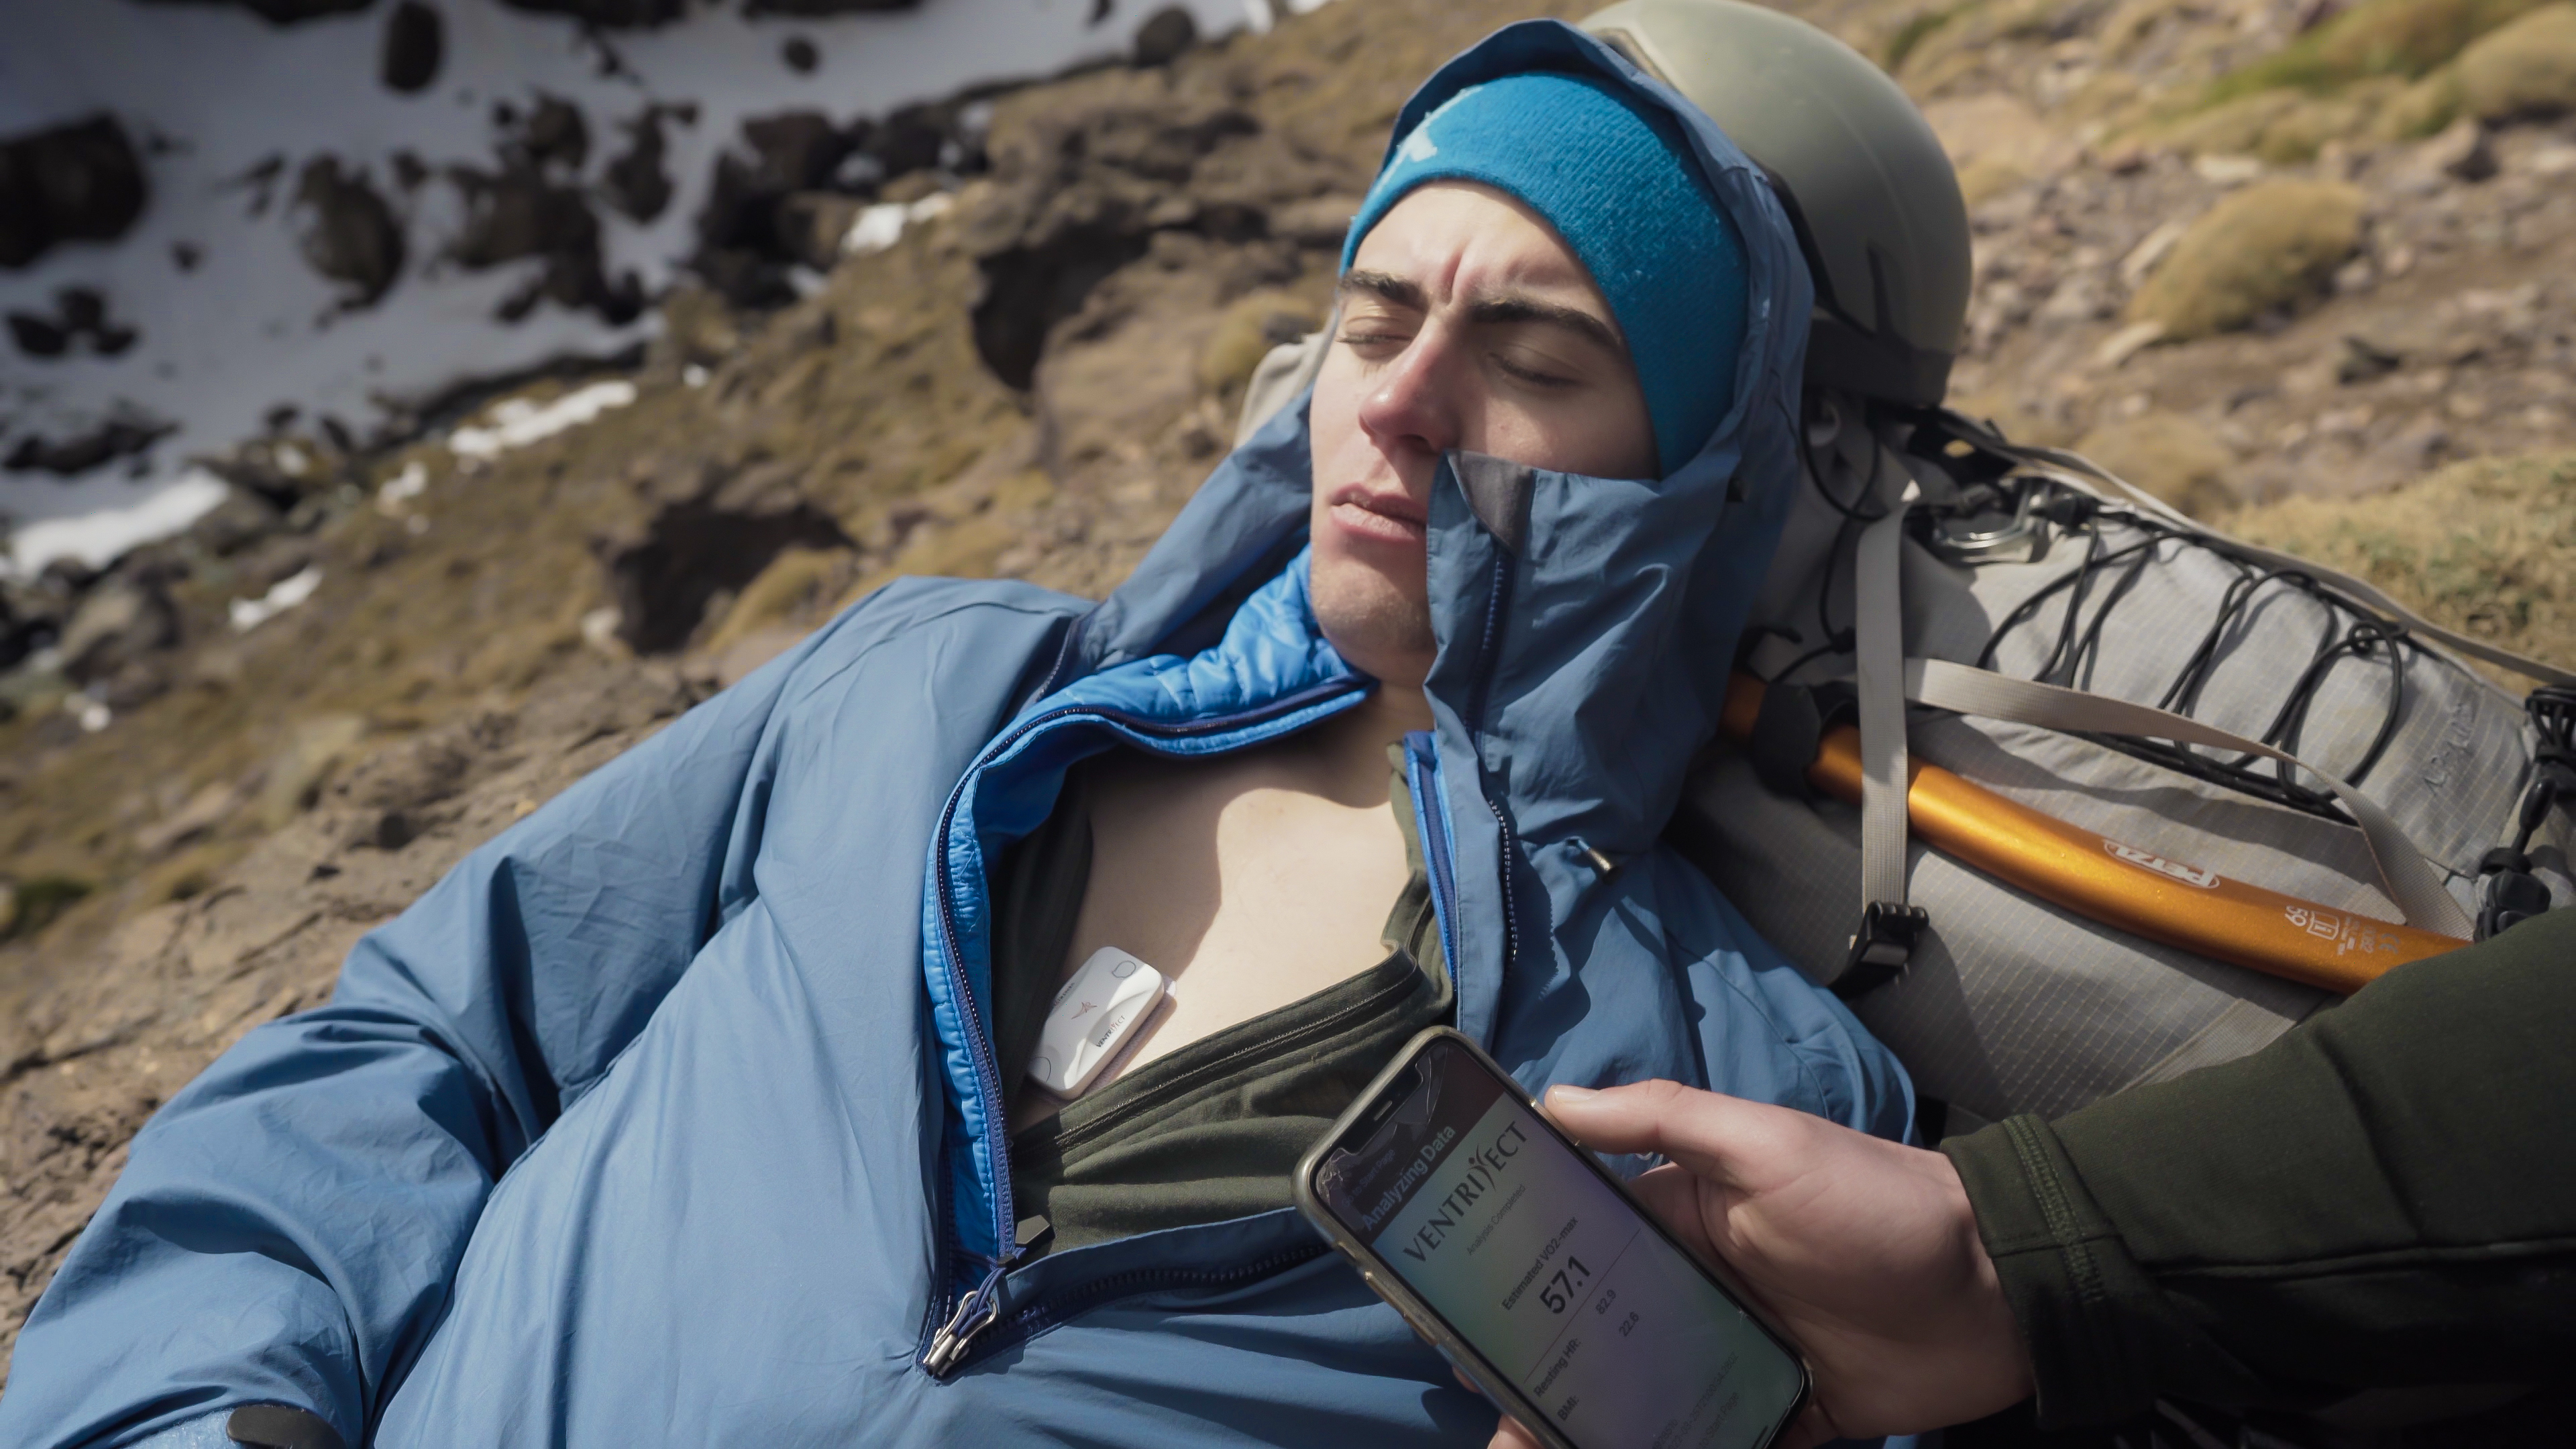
691, 1109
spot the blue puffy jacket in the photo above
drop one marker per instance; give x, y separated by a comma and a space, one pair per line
669, 1116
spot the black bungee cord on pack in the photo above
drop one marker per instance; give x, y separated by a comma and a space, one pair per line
2070, 661
2508, 892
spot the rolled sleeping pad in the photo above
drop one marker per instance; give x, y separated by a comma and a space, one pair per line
2117, 884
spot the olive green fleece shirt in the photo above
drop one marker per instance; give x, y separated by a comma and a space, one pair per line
2384, 1197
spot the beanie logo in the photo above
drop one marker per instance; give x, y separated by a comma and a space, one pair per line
1419, 146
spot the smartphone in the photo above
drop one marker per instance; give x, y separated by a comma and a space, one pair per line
1517, 1253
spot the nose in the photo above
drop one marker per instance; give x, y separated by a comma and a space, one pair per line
1413, 411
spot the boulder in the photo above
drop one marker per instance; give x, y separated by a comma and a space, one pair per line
346, 231
554, 133
1079, 193
910, 138
791, 150
38, 335
811, 225
519, 213
76, 182
79, 313
2267, 246
415, 45
745, 240
117, 624
635, 182
1164, 36
122, 435
2527, 68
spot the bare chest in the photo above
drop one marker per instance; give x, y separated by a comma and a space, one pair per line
1243, 881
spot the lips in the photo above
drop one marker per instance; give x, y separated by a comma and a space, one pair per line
1385, 517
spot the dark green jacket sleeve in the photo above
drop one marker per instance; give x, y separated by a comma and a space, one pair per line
2385, 1196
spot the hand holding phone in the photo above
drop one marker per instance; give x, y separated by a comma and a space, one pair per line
1519, 1256
1865, 1252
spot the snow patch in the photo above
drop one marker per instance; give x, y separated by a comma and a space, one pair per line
519, 422
881, 226
401, 488
96, 538
249, 614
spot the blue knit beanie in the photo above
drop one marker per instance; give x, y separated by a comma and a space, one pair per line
1620, 184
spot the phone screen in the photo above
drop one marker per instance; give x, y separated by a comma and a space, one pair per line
1553, 1276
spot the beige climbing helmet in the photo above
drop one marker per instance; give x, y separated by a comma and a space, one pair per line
1866, 183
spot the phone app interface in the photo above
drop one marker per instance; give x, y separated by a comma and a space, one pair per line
1552, 1275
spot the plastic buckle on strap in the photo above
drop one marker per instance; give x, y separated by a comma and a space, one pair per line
1878, 955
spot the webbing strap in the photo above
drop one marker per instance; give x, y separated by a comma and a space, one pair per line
2408, 879
1878, 665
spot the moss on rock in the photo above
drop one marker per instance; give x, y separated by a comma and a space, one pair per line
2487, 547
1250, 327
2267, 246
2528, 68
2170, 456
2283, 127
2407, 38
2423, 108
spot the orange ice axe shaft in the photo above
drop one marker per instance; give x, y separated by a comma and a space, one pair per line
2117, 884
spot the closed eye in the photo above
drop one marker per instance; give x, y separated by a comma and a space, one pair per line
1525, 373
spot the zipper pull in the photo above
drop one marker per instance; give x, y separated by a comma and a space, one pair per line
975, 1313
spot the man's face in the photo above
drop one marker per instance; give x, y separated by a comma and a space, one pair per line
1467, 324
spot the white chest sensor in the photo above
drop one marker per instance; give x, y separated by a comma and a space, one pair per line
1095, 1015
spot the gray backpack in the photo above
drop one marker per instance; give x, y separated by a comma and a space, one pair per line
1969, 566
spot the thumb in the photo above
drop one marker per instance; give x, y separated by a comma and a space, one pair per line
1703, 1131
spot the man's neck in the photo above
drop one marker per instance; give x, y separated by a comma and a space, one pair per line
1350, 748
1390, 712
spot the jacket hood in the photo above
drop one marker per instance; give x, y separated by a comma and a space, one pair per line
1616, 631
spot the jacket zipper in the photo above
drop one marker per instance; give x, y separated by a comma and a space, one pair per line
1432, 821
1497, 600
975, 1311
1039, 1317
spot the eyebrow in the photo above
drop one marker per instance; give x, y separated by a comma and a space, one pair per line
1511, 308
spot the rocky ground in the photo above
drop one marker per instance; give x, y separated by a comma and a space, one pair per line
2260, 254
